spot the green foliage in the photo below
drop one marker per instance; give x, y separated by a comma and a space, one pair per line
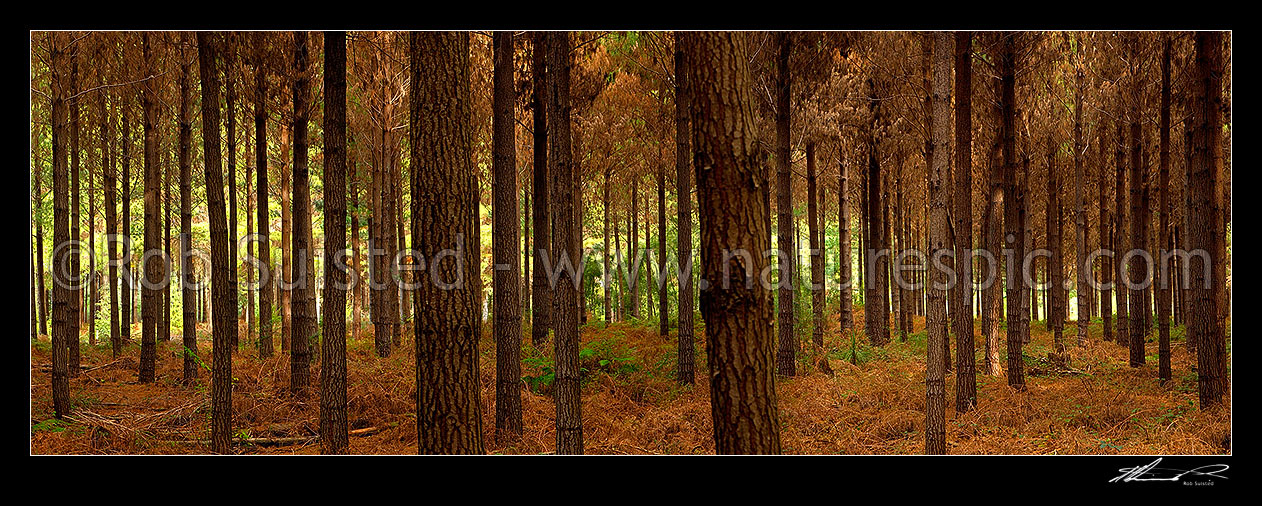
49, 425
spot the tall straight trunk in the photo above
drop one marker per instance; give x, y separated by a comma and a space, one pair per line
153, 234
541, 311
1105, 238
224, 291
844, 277
125, 272
1137, 170
992, 291
504, 243
939, 198
1204, 199
569, 421
333, 426
1163, 305
526, 279
62, 307
814, 225
874, 306
965, 370
786, 360
1054, 245
285, 297
663, 308
267, 281
303, 293
1120, 240
188, 310
1080, 217
736, 311
110, 180
250, 278
633, 246
605, 276
230, 110
684, 372
1012, 210
75, 276
164, 328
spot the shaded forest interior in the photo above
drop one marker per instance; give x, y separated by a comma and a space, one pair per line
630, 242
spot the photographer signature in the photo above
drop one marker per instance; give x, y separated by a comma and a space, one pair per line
1151, 472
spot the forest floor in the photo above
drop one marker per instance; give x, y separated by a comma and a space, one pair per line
632, 405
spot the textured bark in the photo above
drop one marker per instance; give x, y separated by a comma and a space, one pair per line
149, 304
814, 225
504, 242
1055, 269
1120, 240
302, 296
230, 131
786, 360
1204, 198
75, 274
333, 425
62, 310
939, 227
965, 371
1137, 170
268, 281
992, 296
224, 292
736, 310
1012, 209
188, 310
1105, 238
876, 262
684, 372
1081, 267
541, 311
844, 276
569, 421
1163, 305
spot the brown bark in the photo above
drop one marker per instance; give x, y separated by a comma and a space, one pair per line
1204, 199
1012, 209
569, 422
736, 310
224, 292
541, 311
786, 360
302, 295
268, 280
965, 375
684, 373
62, 309
333, 425
153, 235
939, 197
188, 311
504, 243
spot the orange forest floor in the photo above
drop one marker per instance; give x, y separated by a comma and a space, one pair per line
631, 404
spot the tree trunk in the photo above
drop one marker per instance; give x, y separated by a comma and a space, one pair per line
875, 263
508, 418
786, 358
62, 307
1163, 305
541, 311
569, 421
267, 281
737, 313
684, 373
1204, 197
302, 296
965, 371
224, 292
333, 425
188, 310
153, 234
814, 225
1012, 209
939, 197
